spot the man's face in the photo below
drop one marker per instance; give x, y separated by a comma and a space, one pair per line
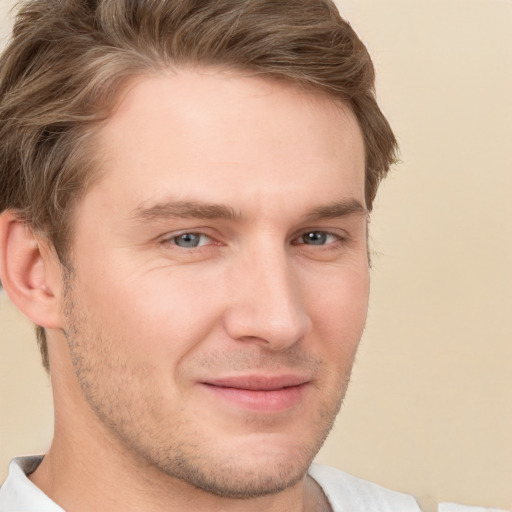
220, 278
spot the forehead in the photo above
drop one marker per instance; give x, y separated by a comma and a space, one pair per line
222, 137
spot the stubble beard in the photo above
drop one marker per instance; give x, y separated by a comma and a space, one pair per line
161, 448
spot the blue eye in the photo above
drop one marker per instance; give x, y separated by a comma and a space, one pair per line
190, 240
317, 238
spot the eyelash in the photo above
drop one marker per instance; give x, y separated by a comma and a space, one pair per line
171, 240
337, 239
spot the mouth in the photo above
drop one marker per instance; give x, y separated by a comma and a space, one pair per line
266, 394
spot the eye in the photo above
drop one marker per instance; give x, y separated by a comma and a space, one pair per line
190, 240
317, 238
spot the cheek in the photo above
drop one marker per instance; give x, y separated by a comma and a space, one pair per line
157, 317
340, 299
338, 310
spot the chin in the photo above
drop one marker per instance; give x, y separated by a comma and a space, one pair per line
244, 478
248, 467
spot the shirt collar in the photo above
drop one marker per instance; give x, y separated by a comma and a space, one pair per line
19, 493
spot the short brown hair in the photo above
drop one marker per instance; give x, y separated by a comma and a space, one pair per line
67, 60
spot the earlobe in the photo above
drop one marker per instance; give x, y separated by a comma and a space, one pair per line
29, 271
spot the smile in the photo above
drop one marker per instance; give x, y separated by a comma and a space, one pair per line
260, 393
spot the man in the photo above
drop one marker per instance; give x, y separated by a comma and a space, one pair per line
185, 192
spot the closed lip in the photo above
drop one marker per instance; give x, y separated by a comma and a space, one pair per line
259, 382
262, 394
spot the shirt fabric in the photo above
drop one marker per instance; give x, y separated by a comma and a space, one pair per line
344, 492
19, 494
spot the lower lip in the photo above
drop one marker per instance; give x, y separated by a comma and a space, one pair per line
262, 401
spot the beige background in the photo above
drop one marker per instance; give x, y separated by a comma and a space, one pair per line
430, 406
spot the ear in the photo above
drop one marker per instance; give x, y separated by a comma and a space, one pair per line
30, 272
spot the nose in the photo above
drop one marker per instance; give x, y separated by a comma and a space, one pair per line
266, 303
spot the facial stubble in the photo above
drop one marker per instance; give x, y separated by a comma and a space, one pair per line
131, 412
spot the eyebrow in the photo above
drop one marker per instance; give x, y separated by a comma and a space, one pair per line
198, 210
183, 209
336, 210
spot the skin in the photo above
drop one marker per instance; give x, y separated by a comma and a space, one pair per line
143, 333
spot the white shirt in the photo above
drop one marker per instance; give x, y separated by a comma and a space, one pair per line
19, 494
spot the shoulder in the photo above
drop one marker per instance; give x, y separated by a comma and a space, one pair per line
346, 492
